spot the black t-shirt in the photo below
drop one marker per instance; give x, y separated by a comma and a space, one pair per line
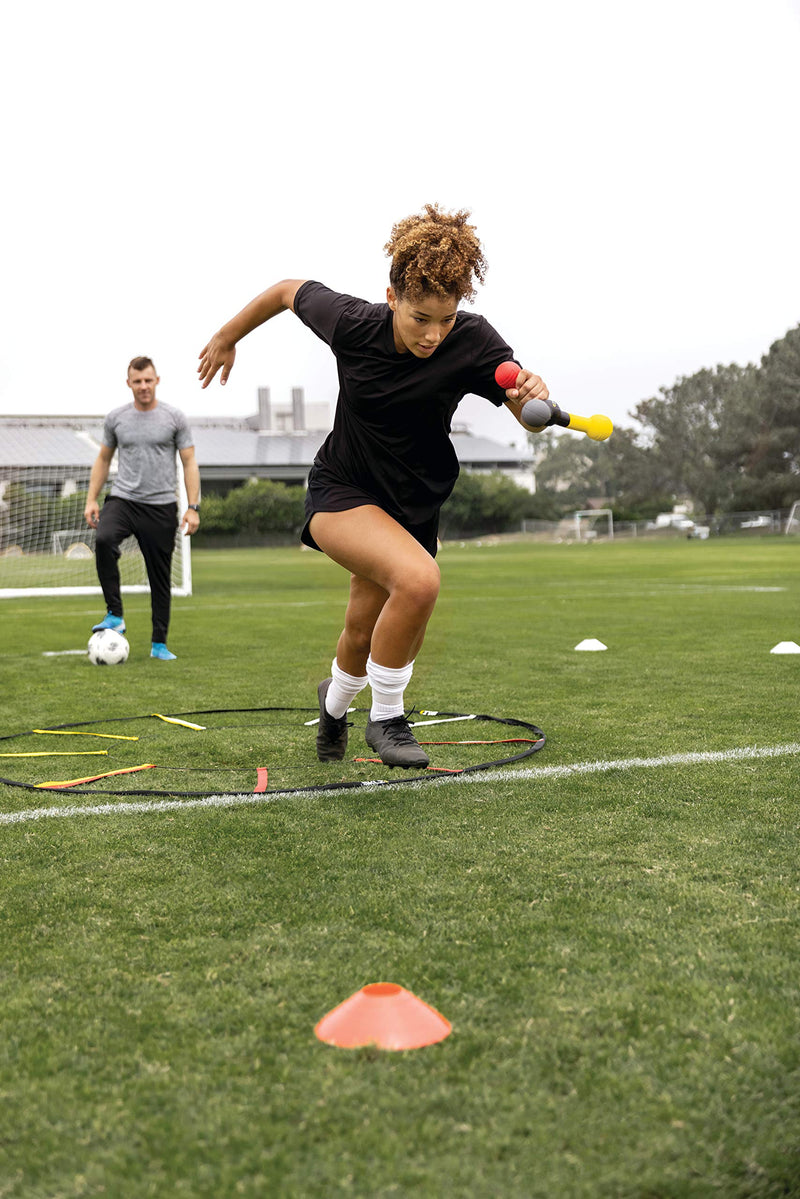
391, 431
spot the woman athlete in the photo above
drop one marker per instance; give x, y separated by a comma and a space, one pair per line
383, 473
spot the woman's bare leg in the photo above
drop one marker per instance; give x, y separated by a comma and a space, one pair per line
394, 584
393, 590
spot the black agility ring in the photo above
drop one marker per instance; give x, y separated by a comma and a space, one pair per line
537, 742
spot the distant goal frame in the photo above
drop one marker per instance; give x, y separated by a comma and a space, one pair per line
594, 512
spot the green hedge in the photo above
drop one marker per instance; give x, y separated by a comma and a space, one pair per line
479, 504
490, 503
253, 509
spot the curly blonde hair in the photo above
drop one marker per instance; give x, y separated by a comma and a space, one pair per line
435, 252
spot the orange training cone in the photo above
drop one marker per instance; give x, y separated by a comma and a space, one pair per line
383, 1015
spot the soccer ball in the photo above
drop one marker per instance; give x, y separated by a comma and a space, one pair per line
107, 648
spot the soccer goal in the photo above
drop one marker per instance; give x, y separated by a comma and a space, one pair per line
793, 519
594, 522
46, 547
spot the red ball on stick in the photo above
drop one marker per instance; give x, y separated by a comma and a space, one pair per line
506, 375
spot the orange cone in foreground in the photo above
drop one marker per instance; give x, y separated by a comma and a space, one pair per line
383, 1015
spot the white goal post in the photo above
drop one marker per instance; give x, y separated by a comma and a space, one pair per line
793, 519
588, 517
46, 548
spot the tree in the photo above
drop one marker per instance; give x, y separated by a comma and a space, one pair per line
727, 439
571, 467
579, 471
766, 434
490, 503
693, 430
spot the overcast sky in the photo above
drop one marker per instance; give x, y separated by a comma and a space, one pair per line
631, 167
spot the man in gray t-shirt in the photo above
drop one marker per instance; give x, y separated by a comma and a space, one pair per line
142, 500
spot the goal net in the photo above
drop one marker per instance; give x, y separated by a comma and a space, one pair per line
594, 522
46, 547
793, 519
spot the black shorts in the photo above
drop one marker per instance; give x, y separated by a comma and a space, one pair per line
327, 495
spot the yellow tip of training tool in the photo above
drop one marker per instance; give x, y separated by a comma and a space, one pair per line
597, 427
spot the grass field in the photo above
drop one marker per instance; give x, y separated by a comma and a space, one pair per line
610, 925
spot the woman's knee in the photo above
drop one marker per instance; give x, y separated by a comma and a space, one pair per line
419, 585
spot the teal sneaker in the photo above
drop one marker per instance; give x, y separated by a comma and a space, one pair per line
110, 621
160, 650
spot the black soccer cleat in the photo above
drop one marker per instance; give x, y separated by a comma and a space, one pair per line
394, 742
332, 731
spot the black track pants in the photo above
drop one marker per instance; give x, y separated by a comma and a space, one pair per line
153, 526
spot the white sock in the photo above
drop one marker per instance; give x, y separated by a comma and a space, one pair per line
342, 691
388, 684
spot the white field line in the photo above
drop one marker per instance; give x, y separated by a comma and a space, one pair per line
530, 773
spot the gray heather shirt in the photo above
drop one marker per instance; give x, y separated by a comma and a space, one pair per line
147, 443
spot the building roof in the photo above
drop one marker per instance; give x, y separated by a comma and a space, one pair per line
23, 444
221, 448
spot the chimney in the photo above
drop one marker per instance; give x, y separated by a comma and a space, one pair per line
298, 409
264, 409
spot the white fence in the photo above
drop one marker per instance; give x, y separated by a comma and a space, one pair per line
599, 525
